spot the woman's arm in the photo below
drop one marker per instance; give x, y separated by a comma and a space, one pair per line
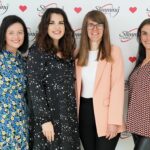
36, 90
116, 106
37, 94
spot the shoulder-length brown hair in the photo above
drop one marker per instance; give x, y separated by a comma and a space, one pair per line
105, 45
67, 43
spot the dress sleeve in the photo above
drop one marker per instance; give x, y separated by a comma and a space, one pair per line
38, 105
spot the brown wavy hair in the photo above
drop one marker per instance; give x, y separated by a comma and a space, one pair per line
105, 45
45, 43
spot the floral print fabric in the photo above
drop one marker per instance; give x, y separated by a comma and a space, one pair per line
13, 109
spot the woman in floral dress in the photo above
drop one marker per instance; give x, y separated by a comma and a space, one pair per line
13, 109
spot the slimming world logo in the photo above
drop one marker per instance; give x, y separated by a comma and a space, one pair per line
31, 34
3, 8
77, 33
126, 36
42, 8
148, 12
108, 9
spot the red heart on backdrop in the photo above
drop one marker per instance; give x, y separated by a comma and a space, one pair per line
133, 9
132, 59
77, 9
22, 7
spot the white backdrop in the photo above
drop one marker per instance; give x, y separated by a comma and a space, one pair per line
124, 17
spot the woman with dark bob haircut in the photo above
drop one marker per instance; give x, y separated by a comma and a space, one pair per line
13, 109
7, 21
51, 85
138, 119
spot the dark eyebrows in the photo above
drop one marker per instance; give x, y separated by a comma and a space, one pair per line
60, 22
143, 31
51, 21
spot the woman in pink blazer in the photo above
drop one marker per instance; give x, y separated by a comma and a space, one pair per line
100, 85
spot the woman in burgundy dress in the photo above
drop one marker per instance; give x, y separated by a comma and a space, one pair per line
138, 120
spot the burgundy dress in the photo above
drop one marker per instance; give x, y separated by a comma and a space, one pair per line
138, 119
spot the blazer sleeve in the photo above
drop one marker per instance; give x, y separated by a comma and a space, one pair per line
38, 105
116, 107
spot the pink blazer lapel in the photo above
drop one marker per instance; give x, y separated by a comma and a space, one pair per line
99, 71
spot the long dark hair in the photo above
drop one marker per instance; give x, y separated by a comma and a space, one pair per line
8, 21
141, 49
104, 47
67, 43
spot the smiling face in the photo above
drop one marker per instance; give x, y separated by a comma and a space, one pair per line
56, 28
95, 31
14, 37
145, 36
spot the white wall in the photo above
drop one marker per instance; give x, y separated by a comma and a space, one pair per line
124, 17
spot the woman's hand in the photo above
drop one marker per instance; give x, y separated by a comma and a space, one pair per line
112, 131
48, 131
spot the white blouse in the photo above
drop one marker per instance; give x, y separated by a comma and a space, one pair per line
88, 75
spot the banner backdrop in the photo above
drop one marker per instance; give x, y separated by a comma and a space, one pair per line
124, 18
